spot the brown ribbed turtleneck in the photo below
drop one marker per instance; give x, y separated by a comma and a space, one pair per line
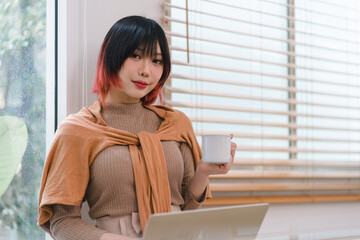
111, 188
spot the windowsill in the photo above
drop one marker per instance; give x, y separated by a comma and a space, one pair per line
311, 221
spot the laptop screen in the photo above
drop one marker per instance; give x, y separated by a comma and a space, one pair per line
225, 223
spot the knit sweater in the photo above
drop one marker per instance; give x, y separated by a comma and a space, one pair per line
111, 187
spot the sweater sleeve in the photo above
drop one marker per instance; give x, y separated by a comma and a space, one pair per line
66, 223
189, 171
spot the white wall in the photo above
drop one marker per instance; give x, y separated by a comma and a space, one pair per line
83, 25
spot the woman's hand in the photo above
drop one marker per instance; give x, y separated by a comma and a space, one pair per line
217, 168
203, 170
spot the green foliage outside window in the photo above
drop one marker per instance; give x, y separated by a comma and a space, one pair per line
22, 95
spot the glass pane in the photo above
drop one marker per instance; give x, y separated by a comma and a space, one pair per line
22, 96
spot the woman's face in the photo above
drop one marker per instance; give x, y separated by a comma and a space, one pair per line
139, 75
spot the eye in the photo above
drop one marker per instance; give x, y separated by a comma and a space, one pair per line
157, 61
137, 56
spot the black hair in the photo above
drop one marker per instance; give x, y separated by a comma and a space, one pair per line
124, 37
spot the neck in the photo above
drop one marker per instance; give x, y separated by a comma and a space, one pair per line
118, 97
111, 100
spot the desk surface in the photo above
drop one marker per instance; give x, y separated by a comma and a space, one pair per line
336, 234
312, 221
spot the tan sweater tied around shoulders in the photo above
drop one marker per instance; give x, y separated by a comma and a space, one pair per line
82, 137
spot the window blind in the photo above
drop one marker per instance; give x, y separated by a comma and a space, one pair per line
283, 77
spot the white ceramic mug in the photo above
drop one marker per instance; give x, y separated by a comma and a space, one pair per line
216, 148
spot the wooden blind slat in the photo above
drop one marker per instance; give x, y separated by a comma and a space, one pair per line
309, 174
295, 150
281, 187
278, 137
220, 201
295, 162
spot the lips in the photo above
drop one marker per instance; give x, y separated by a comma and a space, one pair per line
140, 84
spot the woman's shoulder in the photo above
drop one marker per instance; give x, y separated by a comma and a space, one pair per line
86, 115
81, 122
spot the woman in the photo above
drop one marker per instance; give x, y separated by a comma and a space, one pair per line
127, 159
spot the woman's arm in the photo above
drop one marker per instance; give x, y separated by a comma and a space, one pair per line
66, 223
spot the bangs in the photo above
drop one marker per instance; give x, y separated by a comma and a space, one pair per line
148, 45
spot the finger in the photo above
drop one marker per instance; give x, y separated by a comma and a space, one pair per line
232, 152
233, 147
225, 168
227, 165
231, 135
219, 168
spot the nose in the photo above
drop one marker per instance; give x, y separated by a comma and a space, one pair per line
144, 70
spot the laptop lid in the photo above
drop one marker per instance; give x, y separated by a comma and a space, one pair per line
220, 223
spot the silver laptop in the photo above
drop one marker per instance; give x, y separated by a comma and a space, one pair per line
220, 223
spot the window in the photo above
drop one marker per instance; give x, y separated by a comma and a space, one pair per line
283, 76
23, 97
